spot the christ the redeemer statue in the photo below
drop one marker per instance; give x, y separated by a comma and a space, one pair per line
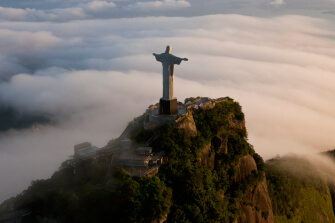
168, 104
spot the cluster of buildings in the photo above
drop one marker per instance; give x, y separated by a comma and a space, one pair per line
139, 160
135, 160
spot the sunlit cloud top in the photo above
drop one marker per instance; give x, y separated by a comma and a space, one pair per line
88, 65
90, 10
63, 11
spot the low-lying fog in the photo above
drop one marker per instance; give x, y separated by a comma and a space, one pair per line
94, 74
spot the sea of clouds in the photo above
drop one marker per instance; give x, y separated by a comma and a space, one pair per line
89, 66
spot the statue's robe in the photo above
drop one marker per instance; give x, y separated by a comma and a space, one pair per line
168, 61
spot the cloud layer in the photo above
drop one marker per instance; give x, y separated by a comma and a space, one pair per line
89, 10
95, 75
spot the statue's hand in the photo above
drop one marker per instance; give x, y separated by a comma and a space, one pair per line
185, 59
154, 54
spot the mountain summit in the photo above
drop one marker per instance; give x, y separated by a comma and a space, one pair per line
193, 166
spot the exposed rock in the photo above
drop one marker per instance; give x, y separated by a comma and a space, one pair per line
256, 206
184, 119
207, 159
245, 166
187, 122
235, 123
162, 220
219, 145
208, 105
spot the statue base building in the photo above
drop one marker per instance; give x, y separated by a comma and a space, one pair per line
168, 107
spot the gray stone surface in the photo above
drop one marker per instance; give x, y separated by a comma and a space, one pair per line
153, 118
168, 61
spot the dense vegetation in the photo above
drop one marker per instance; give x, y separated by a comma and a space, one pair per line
298, 191
184, 190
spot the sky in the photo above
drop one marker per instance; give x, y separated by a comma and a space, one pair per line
89, 66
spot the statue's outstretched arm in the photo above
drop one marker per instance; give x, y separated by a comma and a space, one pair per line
185, 59
157, 57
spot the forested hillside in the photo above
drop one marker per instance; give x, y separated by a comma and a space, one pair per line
299, 191
213, 176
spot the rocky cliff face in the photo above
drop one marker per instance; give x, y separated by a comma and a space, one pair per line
187, 123
256, 203
255, 206
207, 158
210, 173
245, 166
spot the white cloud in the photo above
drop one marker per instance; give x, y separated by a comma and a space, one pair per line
20, 41
96, 75
28, 14
97, 5
88, 10
277, 3
158, 5
12, 13
57, 91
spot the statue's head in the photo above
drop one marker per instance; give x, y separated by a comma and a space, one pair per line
168, 49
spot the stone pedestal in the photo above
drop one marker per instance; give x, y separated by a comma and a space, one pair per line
168, 107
